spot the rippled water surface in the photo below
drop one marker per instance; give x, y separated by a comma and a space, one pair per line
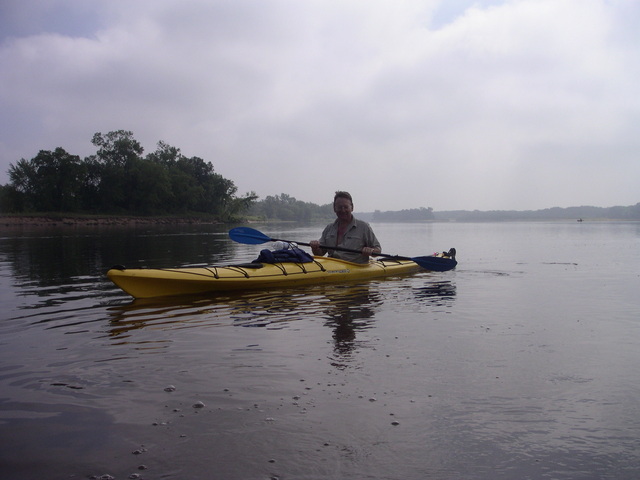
521, 363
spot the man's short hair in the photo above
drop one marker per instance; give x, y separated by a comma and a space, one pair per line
341, 194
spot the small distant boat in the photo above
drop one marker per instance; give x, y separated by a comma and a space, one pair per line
579, 220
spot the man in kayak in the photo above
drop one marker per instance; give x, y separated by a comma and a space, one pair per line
347, 232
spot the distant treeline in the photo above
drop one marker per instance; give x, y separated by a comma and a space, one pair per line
555, 213
287, 208
411, 215
118, 179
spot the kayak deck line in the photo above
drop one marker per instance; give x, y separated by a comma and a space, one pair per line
158, 282
236, 268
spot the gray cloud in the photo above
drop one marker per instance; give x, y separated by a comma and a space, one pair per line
490, 105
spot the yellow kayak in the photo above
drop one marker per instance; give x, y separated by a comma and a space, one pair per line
149, 282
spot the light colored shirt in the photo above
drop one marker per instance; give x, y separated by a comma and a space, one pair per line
357, 236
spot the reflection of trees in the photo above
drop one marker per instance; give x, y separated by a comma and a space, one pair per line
54, 256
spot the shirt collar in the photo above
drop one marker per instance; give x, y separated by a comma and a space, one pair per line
352, 223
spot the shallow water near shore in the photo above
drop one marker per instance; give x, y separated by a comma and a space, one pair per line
520, 363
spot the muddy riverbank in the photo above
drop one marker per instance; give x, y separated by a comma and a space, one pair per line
98, 220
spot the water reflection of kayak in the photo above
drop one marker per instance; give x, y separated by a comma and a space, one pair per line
148, 283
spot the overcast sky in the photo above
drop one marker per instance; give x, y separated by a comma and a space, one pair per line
455, 104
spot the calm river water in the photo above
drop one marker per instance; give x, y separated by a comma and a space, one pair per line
523, 363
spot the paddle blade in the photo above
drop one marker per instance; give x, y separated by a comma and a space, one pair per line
436, 264
248, 236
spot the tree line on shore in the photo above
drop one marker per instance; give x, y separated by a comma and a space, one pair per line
119, 180
287, 208
556, 213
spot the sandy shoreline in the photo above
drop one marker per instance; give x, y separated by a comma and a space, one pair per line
106, 220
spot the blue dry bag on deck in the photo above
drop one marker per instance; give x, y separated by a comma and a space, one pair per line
284, 255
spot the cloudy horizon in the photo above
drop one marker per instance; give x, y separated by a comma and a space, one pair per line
454, 105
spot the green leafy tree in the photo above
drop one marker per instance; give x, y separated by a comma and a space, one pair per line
183, 188
90, 189
286, 207
236, 205
118, 158
196, 187
10, 199
23, 180
165, 155
150, 188
118, 179
118, 148
50, 181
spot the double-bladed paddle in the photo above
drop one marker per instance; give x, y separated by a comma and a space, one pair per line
251, 236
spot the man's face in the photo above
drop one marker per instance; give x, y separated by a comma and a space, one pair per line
343, 208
